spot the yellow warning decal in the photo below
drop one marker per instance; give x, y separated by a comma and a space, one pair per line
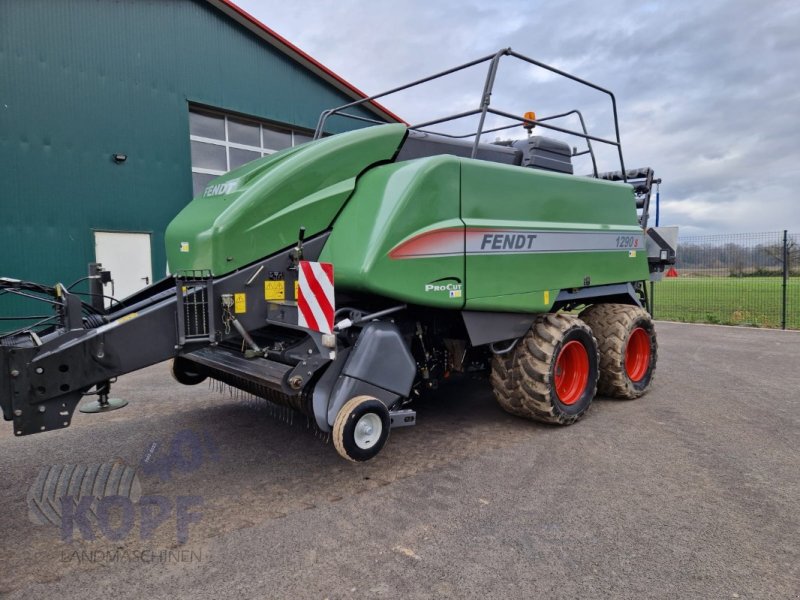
128, 317
239, 303
296, 287
547, 296
274, 290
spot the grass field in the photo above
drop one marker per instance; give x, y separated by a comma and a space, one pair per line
754, 301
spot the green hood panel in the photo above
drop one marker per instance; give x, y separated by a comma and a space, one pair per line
258, 209
444, 232
394, 204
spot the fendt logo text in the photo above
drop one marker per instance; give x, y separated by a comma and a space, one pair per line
220, 189
508, 241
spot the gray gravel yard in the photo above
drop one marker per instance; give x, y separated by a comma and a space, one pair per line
690, 492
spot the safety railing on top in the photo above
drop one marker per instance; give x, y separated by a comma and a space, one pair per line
485, 108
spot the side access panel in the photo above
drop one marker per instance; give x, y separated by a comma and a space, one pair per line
400, 235
531, 233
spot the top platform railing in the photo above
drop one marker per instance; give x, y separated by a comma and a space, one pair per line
485, 108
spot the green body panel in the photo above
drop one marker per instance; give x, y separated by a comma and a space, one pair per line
413, 225
440, 231
258, 209
393, 203
501, 197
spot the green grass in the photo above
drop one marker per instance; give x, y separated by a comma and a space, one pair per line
754, 301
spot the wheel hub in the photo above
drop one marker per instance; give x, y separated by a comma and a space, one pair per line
637, 354
368, 431
571, 372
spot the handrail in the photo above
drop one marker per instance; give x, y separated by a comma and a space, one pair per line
521, 121
326, 113
583, 128
485, 107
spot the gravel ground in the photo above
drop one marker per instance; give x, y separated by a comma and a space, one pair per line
690, 492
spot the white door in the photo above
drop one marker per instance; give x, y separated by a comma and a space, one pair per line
127, 256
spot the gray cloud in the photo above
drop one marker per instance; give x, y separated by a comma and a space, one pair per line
708, 93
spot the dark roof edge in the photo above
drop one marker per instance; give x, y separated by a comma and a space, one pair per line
281, 43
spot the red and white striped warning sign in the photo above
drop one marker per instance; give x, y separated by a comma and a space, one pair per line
315, 296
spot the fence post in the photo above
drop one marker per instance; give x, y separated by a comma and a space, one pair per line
785, 277
652, 300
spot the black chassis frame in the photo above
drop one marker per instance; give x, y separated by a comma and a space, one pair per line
43, 379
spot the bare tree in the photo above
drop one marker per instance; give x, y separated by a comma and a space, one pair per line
792, 252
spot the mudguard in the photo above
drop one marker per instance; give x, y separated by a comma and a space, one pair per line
379, 364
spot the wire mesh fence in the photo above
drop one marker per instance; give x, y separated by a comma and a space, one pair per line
733, 279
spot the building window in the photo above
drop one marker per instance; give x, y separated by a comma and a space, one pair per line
221, 142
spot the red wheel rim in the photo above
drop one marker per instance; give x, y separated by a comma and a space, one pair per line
637, 354
572, 372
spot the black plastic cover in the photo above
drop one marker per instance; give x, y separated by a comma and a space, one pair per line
488, 327
379, 364
545, 153
380, 356
420, 145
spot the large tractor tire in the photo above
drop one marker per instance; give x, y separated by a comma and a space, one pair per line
551, 374
626, 338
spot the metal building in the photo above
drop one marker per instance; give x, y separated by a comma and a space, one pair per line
114, 114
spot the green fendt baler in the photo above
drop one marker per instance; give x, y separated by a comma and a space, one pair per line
347, 277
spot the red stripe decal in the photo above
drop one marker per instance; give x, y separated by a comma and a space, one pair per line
436, 242
315, 300
323, 302
307, 319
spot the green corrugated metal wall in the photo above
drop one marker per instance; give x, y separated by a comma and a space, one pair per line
82, 79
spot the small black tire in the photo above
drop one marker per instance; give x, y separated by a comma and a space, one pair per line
183, 371
361, 428
526, 381
626, 338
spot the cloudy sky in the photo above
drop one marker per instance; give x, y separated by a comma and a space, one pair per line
708, 92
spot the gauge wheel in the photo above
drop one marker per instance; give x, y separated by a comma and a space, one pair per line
361, 428
184, 371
